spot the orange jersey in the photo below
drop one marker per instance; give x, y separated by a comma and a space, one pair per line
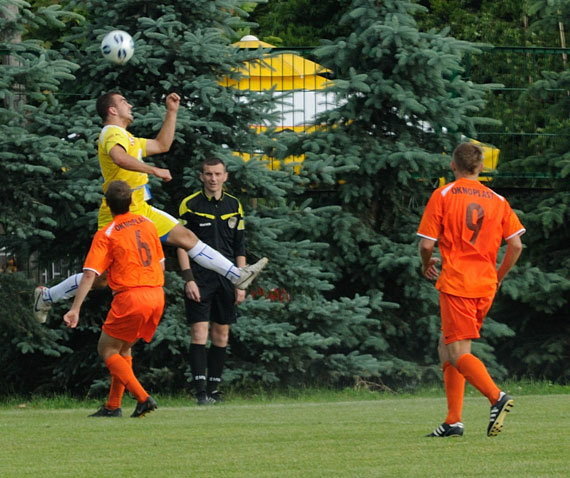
469, 221
129, 250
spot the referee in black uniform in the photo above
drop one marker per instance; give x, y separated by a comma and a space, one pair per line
211, 300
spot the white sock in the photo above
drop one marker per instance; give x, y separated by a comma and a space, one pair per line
213, 260
66, 289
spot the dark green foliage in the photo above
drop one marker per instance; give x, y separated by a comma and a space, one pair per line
30, 349
307, 339
35, 150
533, 169
549, 14
502, 23
184, 47
297, 23
524, 123
536, 302
403, 104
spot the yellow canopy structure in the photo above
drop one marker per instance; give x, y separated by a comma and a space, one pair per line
490, 158
283, 71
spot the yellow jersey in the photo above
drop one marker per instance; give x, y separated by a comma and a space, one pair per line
109, 137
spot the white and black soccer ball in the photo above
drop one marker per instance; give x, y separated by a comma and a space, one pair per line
118, 46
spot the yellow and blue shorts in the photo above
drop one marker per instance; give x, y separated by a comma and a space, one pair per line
163, 221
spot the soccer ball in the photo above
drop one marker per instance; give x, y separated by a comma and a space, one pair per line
118, 46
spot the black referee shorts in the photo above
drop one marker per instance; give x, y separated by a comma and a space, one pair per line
217, 302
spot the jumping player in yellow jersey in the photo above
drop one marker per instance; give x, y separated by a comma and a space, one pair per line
121, 158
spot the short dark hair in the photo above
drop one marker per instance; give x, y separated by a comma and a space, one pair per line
212, 161
104, 102
118, 197
468, 157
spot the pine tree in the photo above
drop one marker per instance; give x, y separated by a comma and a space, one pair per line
33, 152
185, 47
299, 23
35, 148
402, 107
536, 302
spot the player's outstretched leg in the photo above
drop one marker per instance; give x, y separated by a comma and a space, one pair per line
249, 273
211, 259
41, 306
44, 297
499, 412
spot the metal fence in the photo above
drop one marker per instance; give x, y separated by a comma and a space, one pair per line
527, 127
529, 123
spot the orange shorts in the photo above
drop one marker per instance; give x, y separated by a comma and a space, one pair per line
135, 314
462, 317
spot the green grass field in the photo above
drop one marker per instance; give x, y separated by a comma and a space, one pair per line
355, 434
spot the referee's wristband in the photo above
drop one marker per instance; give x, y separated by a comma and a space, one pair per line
187, 275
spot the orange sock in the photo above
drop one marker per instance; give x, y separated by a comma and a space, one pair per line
476, 374
117, 388
124, 373
454, 391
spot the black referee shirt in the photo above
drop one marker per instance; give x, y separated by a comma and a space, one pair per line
218, 223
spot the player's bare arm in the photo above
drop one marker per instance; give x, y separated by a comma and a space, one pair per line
512, 254
125, 161
71, 318
165, 137
429, 269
